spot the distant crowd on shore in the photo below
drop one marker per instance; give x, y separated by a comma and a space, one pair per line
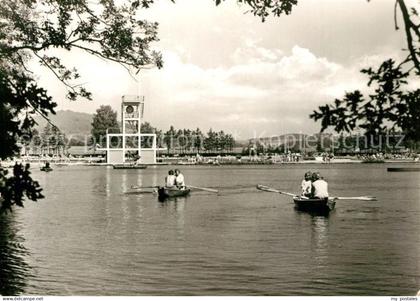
325, 157
388, 156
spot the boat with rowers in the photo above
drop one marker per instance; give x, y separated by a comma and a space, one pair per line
304, 203
46, 167
318, 205
165, 192
129, 166
312, 204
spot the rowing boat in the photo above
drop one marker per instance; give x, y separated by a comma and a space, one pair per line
322, 206
403, 169
305, 204
129, 166
46, 169
165, 192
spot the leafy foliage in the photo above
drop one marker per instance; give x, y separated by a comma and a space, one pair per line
412, 32
53, 141
103, 29
32, 29
19, 96
104, 119
264, 8
217, 141
389, 107
146, 127
187, 140
14, 188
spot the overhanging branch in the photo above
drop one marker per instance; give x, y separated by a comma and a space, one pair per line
409, 25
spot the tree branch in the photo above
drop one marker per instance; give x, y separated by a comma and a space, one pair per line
395, 16
408, 25
54, 72
100, 55
42, 115
89, 11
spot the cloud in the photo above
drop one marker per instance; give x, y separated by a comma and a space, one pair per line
300, 66
264, 91
227, 70
268, 92
107, 81
261, 90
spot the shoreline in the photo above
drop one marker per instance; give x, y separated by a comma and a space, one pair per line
63, 164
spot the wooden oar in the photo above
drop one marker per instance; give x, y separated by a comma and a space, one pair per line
269, 189
139, 192
361, 198
204, 189
141, 187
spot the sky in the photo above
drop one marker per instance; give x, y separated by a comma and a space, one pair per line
224, 69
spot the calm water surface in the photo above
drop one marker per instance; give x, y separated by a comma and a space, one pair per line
90, 237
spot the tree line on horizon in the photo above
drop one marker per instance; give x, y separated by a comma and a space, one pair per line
52, 141
391, 142
179, 140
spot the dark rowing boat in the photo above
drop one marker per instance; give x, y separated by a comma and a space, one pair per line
46, 169
403, 169
129, 166
165, 193
318, 205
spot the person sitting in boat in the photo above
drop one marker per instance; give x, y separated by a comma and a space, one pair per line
319, 187
307, 184
179, 179
46, 166
170, 179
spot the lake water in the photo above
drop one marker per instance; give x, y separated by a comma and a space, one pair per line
90, 237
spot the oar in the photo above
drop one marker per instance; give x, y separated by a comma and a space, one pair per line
139, 192
269, 189
203, 188
361, 198
141, 187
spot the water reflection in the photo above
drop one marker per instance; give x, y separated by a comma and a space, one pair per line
124, 181
155, 180
319, 238
318, 222
14, 271
108, 182
176, 207
100, 240
313, 213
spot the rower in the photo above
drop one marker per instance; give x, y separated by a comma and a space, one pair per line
170, 179
179, 179
319, 187
307, 184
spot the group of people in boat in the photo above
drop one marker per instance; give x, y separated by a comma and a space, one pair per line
46, 167
314, 186
175, 179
